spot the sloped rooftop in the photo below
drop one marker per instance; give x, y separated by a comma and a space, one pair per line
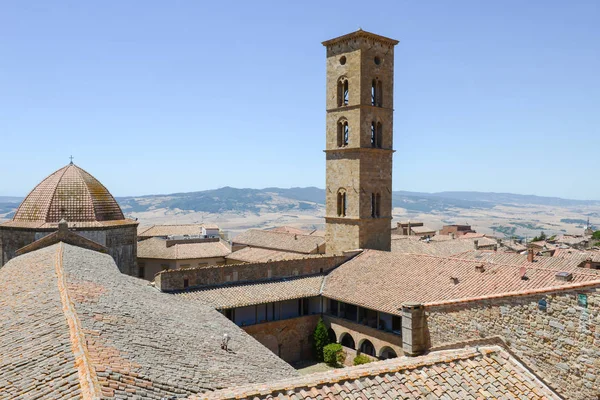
156, 248
247, 294
72, 324
437, 246
280, 241
383, 281
470, 374
257, 254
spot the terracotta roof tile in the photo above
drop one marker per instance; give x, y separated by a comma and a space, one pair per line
427, 279
156, 248
453, 374
246, 294
437, 246
137, 340
176, 230
71, 194
257, 254
280, 241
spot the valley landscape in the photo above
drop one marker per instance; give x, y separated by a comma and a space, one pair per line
236, 210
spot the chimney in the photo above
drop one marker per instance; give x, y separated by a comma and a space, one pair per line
63, 226
530, 255
588, 262
476, 244
451, 235
480, 268
408, 229
414, 329
295, 237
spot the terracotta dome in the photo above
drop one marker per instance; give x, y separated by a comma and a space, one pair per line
71, 194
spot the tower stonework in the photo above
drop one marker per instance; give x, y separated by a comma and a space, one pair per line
360, 81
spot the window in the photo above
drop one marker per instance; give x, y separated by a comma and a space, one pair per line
341, 203
333, 307
186, 283
141, 270
376, 93
375, 205
343, 135
342, 95
376, 134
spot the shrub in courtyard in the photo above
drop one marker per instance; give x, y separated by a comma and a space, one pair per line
361, 359
333, 354
320, 339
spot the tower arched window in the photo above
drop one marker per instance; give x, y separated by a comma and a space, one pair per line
376, 134
375, 205
376, 93
343, 133
342, 92
341, 203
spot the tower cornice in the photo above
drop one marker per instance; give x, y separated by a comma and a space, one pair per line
360, 34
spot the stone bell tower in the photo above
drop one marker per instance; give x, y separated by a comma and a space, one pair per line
360, 83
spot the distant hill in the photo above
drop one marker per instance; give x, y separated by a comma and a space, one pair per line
228, 199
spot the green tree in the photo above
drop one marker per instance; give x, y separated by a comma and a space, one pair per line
320, 339
541, 237
334, 354
361, 359
596, 235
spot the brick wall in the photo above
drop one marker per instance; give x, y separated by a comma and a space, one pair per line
561, 344
290, 339
215, 275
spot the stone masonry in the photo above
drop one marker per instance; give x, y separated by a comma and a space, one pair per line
360, 69
561, 343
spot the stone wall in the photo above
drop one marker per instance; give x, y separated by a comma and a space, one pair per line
561, 344
121, 242
12, 240
216, 275
290, 339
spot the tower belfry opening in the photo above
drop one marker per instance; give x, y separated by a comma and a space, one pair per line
359, 142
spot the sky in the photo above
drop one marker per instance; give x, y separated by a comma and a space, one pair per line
175, 96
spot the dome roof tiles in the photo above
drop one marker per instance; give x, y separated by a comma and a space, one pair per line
71, 194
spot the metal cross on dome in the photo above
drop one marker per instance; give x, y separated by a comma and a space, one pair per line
71, 158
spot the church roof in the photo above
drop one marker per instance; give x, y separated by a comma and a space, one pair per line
71, 194
73, 326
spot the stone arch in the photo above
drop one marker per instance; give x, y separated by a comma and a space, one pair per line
343, 93
343, 132
365, 346
387, 352
347, 340
332, 335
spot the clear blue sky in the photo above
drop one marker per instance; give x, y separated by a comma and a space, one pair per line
168, 96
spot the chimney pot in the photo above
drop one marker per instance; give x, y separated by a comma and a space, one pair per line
530, 255
476, 244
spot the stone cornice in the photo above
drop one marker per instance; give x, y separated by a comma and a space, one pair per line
360, 34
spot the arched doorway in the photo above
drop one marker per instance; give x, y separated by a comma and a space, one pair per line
347, 341
387, 352
366, 347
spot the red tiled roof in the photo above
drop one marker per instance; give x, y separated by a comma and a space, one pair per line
306, 244
156, 248
257, 254
71, 194
247, 294
483, 373
383, 281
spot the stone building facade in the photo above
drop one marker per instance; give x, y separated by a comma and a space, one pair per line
73, 195
359, 130
555, 333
